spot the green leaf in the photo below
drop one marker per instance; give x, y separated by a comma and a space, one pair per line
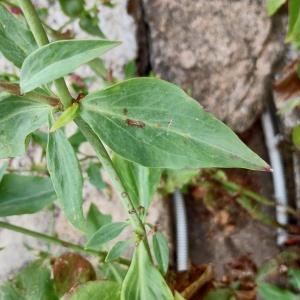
113, 271
16, 41
177, 179
90, 25
77, 139
33, 282
294, 278
294, 19
24, 194
66, 176
95, 220
178, 296
98, 67
59, 59
220, 294
40, 138
72, 8
296, 136
66, 117
117, 250
254, 210
269, 291
140, 182
289, 105
161, 252
3, 168
154, 123
106, 233
96, 290
19, 117
273, 6
130, 69
143, 280
95, 176
9, 292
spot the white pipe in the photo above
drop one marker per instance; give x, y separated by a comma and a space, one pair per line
182, 247
280, 192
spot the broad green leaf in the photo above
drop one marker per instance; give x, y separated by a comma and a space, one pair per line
105, 234
89, 24
96, 290
95, 176
269, 291
3, 168
273, 6
33, 282
16, 41
294, 19
66, 117
95, 220
19, 117
154, 123
143, 280
296, 136
161, 252
140, 182
117, 250
72, 8
59, 59
294, 278
66, 176
24, 194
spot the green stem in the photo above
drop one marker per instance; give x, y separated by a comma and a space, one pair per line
41, 38
116, 180
234, 187
54, 240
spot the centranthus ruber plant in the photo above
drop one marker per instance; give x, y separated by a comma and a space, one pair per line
136, 127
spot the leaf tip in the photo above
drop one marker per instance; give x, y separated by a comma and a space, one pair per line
267, 168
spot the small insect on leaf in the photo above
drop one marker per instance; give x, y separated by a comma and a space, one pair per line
66, 117
135, 123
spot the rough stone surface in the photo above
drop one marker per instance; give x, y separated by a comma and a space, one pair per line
220, 51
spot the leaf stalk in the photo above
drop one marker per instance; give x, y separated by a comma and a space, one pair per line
41, 38
53, 240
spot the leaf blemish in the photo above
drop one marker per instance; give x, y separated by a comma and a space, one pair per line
125, 111
135, 123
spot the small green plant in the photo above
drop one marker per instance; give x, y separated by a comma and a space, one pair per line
137, 127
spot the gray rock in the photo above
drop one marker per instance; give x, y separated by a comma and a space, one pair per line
220, 51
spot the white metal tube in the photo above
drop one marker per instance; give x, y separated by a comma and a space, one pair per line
280, 192
182, 247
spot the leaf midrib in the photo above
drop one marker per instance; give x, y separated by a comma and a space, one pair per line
96, 108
